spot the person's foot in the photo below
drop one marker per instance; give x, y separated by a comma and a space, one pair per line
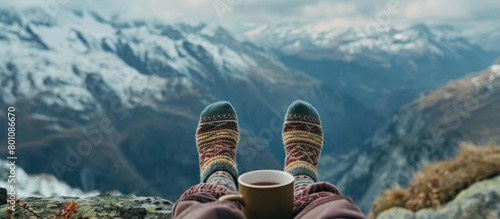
217, 138
303, 140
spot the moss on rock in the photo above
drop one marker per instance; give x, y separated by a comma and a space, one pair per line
101, 206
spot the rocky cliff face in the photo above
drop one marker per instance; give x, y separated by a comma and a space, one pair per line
479, 201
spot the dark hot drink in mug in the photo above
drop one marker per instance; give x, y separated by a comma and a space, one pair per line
265, 194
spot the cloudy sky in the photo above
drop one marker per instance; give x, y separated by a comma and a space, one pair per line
235, 14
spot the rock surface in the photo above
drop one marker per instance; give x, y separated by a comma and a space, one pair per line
101, 206
479, 201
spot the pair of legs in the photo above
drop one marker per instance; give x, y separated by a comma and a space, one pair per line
217, 139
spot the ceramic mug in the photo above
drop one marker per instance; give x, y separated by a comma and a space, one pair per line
265, 194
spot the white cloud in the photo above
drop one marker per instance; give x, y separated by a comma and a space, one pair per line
344, 12
437, 10
327, 10
19, 4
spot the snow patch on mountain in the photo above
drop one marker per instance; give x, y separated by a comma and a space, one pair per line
39, 185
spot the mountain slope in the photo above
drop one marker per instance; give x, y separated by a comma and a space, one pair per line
426, 130
114, 105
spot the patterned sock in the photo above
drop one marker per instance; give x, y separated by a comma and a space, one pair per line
303, 140
216, 138
222, 178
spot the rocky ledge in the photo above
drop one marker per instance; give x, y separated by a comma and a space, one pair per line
101, 206
479, 201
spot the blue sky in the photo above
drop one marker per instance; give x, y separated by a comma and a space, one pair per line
235, 13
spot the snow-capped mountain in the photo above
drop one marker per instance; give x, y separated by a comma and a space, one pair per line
354, 42
177, 56
426, 130
384, 68
131, 93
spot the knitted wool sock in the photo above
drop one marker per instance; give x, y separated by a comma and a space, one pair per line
216, 138
222, 178
303, 140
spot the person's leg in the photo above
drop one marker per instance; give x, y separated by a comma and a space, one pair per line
216, 139
303, 140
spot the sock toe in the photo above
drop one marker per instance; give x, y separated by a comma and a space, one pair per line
217, 108
303, 108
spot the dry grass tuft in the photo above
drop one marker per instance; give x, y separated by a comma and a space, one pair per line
394, 197
440, 182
